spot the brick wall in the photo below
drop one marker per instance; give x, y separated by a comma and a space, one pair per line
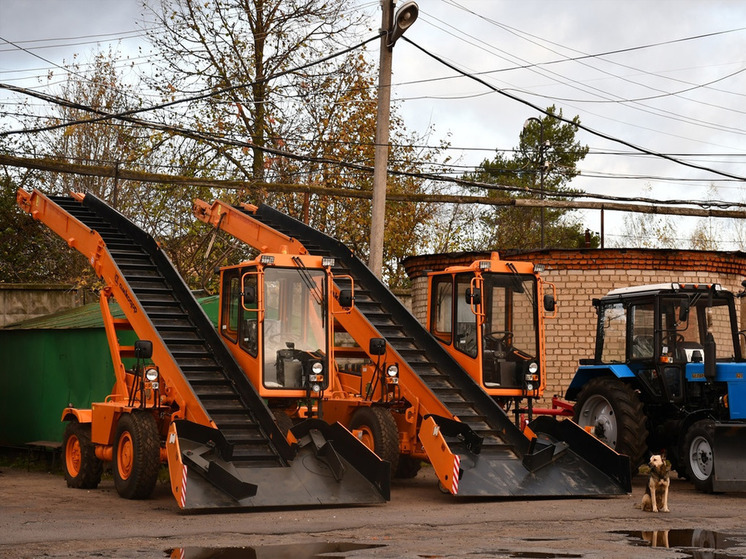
581, 275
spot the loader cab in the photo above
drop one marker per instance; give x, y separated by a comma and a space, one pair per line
488, 317
274, 317
669, 335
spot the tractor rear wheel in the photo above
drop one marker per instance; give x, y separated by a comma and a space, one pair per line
700, 457
136, 455
82, 469
614, 413
376, 428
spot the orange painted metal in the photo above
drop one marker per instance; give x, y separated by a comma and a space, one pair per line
473, 365
176, 393
339, 404
265, 239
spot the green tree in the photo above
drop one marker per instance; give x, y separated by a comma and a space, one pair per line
544, 162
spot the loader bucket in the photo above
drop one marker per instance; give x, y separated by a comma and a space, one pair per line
330, 467
729, 450
562, 461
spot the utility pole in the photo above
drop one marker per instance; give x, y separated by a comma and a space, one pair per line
392, 28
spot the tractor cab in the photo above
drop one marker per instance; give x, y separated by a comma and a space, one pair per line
276, 316
669, 335
488, 316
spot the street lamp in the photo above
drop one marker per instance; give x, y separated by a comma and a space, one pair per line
394, 26
542, 164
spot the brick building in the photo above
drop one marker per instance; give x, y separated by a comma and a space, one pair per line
581, 275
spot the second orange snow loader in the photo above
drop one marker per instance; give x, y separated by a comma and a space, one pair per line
320, 336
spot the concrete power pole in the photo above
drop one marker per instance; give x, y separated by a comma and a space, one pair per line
394, 27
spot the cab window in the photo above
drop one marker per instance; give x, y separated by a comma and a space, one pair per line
230, 305
442, 309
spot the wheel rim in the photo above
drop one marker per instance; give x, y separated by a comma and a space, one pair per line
700, 458
366, 437
125, 455
598, 413
73, 458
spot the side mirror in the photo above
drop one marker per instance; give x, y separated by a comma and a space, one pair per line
684, 311
345, 298
143, 349
473, 296
249, 294
377, 346
549, 302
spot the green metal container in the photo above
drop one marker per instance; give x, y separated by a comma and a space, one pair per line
52, 362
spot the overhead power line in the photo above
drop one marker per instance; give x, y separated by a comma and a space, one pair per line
568, 121
141, 176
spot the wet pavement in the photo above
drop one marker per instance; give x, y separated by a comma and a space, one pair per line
41, 517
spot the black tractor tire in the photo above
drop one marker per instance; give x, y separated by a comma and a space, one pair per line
136, 455
379, 433
408, 467
700, 456
82, 469
614, 411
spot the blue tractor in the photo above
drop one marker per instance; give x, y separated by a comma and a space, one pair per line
669, 376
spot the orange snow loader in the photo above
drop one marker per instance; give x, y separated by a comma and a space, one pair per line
181, 398
368, 364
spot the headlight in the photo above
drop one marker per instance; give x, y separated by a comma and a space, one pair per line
317, 368
316, 388
392, 371
151, 374
533, 367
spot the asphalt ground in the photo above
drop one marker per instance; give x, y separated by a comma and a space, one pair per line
41, 517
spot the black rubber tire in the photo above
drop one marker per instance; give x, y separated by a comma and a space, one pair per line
615, 411
136, 455
700, 455
82, 469
380, 429
408, 467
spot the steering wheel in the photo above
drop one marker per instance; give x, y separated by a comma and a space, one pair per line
504, 336
673, 338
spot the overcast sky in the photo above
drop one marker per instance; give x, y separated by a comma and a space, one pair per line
678, 86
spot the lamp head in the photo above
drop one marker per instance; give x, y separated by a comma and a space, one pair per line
405, 16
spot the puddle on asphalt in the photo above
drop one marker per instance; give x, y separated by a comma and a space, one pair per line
542, 555
698, 544
312, 550
529, 554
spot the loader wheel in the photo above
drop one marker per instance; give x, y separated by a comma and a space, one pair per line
82, 469
614, 412
700, 458
136, 455
378, 432
408, 467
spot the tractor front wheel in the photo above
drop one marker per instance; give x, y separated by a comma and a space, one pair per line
136, 455
376, 428
82, 469
700, 457
611, 410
